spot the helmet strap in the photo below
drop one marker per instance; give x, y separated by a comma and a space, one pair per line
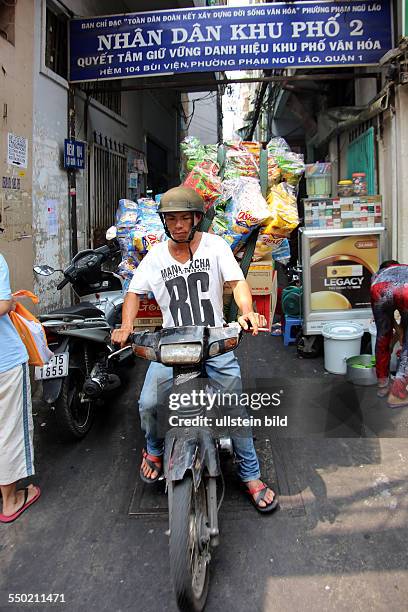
190, 237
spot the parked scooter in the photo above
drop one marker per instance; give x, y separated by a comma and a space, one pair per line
191, 458
82, 371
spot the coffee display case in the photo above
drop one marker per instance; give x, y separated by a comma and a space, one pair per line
338, 265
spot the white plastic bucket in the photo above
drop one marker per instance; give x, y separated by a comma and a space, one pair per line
341, 341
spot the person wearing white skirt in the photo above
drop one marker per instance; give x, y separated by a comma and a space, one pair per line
16, 421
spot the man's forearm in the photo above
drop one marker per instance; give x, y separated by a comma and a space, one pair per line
242, 296
130, 310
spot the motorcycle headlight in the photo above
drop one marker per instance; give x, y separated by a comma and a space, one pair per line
181, 353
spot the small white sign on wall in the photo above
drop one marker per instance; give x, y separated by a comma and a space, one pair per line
17, 150
52, 217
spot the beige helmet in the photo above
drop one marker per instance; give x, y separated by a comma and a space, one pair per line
181, 199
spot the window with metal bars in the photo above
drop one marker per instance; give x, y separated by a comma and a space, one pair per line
111, 97
7, 20
56, 41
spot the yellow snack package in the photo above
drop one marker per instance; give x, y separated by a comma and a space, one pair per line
283, 210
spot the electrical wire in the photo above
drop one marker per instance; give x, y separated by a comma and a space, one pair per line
208, 96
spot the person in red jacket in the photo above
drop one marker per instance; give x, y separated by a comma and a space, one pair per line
389, 292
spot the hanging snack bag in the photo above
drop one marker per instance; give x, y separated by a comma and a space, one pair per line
239, 162
283, 210
211, 153
244, 210
282, 253
204, 179
126, 217
192, 153
149, 229
277, 144
265, 244
138, 228
292, 167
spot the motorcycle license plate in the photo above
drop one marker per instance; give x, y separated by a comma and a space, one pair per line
56, 368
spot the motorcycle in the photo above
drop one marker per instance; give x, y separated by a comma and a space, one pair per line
191, 459
82, 371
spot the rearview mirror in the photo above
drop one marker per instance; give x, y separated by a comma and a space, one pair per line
111, 233
44, 270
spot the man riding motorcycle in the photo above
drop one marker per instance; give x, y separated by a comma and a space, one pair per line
186, 274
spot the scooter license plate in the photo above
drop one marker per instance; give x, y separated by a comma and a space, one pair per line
56, 368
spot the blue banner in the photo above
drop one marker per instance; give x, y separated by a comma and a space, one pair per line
256, 37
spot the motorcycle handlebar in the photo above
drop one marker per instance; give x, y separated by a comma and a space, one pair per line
62, 284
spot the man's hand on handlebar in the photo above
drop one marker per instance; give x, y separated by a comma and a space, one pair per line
252, 320
121, 336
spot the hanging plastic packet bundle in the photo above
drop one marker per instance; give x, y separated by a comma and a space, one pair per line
283, 212
149, 229
282, 253
265, 244
245, 209
126, 217
204, 179
239, 162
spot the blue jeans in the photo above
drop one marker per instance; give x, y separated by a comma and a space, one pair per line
225, 372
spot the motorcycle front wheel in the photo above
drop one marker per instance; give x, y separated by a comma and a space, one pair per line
189, 546
74, 416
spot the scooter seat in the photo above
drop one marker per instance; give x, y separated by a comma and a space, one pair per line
84, 309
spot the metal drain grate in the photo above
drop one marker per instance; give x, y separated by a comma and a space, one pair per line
151, 500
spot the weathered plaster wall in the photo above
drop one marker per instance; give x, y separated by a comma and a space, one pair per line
50, 187
16, 83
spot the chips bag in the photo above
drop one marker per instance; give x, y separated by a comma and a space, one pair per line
282, 253
204, 179
148, 230
243, 210
283, 164
283, 213
240, 161
192, 153
126, 217
265, 244
138, 229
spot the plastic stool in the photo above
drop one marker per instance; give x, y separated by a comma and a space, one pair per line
290, 323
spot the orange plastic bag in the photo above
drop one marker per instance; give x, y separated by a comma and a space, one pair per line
30, 331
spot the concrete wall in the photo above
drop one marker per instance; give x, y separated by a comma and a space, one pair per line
16, 95
50, 185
